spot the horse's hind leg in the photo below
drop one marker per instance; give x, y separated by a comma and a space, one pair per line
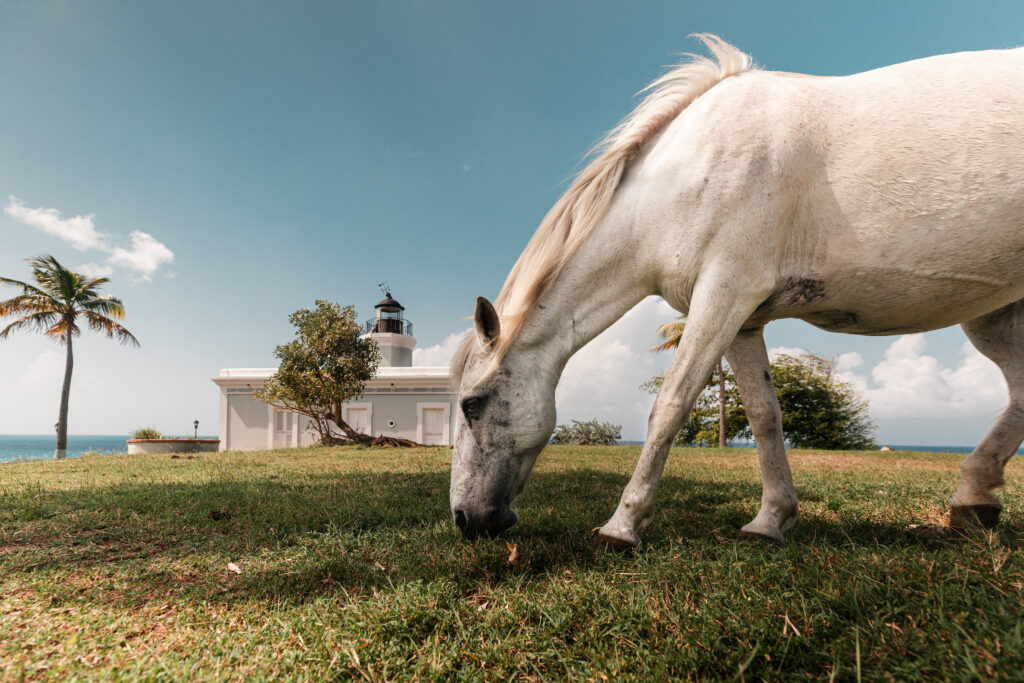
1000, 336
749, 360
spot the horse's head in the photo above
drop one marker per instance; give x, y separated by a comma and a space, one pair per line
505, 418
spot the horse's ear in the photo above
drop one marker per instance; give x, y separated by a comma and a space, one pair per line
488, 326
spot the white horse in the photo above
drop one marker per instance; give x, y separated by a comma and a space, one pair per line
886, 202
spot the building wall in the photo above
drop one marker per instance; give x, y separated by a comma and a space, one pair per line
395, 356
402, 408
395, 349
248, 424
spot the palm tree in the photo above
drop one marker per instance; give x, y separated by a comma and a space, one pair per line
54, 307
672, 332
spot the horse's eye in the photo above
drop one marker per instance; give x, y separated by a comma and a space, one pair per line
473, 406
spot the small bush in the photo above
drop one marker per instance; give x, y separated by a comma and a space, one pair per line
592, 433
146, 433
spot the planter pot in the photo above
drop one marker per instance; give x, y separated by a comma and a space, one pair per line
158, 446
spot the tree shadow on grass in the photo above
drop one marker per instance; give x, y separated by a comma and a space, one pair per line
301, 538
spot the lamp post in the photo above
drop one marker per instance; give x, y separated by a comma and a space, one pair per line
196, 426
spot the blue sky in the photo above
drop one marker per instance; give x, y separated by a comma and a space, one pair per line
284, 152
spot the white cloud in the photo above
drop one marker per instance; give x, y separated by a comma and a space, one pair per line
439, 355
94, 270
146, 255
910, 384
603, 379
846, 362
78, 231
777, 351
45, 372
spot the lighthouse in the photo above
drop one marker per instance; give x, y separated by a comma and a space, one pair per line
392, 332
402, 401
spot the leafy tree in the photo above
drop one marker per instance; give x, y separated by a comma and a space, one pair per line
710, 411
818, 411
327, 364
55, 305
590, 433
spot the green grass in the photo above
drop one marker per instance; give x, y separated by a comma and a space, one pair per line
115, 567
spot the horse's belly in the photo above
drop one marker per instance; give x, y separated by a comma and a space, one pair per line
913, 302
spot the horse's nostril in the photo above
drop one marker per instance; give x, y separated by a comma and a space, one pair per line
460, 520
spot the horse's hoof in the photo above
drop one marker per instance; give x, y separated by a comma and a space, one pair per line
965, 516
603, 542
755, 537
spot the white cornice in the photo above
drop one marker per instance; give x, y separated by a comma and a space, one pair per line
386, 377
392, 339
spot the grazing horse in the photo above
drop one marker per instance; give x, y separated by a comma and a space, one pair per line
886, 202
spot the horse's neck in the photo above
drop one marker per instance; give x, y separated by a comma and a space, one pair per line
600, 283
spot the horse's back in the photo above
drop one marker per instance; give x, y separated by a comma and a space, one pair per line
896, 190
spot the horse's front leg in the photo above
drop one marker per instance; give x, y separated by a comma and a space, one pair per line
749, 360
716, 313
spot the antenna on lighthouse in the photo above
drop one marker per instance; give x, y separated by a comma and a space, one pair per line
384, 289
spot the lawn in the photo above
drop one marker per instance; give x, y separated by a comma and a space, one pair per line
348, 566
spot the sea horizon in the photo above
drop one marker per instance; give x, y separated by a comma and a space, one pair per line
21, 447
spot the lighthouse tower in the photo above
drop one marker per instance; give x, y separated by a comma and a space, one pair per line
393, 333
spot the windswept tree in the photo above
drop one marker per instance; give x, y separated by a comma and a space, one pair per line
327, 364
56, 305
818, 409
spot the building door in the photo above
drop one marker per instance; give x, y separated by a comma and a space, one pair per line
283, 424
358, 419
433, 427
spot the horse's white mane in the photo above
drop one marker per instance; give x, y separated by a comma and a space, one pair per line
573, 218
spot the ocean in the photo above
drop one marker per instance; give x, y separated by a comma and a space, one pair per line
895, 447
40, 447
36, 447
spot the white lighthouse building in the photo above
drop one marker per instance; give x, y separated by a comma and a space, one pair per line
401, 400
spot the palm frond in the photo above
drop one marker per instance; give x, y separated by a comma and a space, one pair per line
61, 296
104, 305
43, 322
63, 328
29, 303
90, 285
25, 287
671, 332
113, 330
53, 277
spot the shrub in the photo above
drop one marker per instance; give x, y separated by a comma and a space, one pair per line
592, 433
146, 433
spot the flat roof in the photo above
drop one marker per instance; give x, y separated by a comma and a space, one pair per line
383, 372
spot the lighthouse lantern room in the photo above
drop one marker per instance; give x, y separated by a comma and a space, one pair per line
392, 332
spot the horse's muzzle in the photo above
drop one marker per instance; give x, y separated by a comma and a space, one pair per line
490, 523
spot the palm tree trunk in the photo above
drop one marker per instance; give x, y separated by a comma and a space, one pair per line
721, 406
62, 419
